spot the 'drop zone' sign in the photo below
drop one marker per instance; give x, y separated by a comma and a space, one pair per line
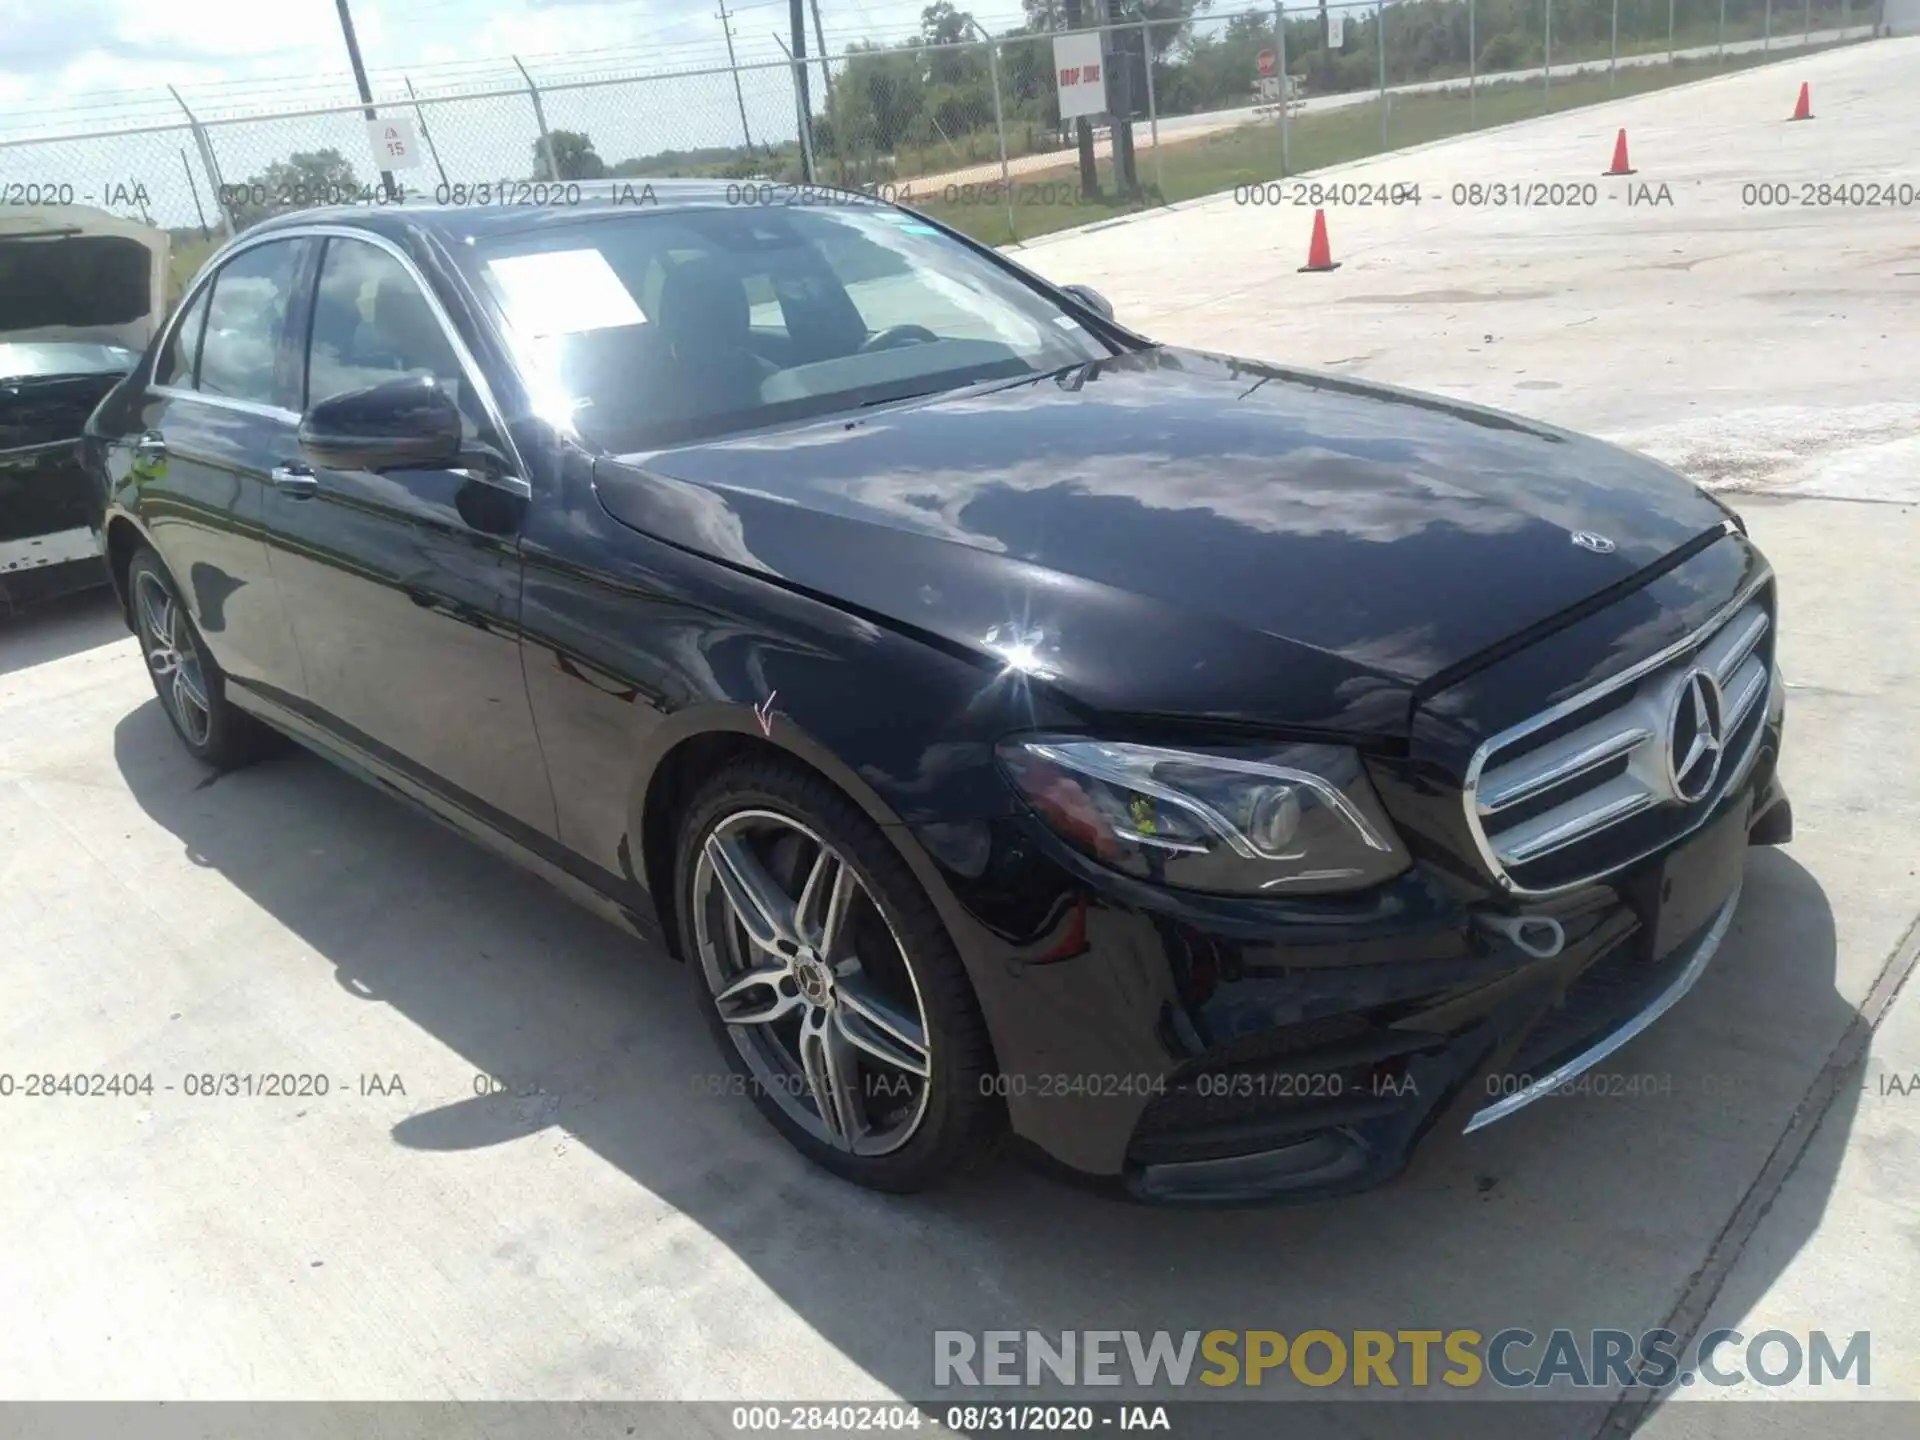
1081, 74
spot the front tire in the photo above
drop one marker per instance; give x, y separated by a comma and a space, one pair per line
191, 687
830, 983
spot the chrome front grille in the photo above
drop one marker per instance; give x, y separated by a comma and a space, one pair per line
1619, 770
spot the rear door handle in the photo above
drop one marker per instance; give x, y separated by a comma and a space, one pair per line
300, 484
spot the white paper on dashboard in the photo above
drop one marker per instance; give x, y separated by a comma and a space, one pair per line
561, 292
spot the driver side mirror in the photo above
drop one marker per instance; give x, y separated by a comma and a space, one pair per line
1091, 298
404, 423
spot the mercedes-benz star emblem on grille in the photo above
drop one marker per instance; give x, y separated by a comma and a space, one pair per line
1695, 736
1598, 544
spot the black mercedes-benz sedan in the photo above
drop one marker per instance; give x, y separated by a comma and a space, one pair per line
1214, 774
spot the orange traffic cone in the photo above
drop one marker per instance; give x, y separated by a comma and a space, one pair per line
1804, 109
1319, 252
1620, 165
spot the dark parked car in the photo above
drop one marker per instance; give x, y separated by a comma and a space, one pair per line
1214, 773
80, 295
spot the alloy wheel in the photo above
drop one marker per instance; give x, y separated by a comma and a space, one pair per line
167, 639
812, 982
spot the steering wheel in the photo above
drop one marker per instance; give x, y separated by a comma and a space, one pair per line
895, 335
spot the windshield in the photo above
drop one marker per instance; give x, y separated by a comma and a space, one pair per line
24, 361
652, 329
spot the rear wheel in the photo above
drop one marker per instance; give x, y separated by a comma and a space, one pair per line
829, 980
191, 688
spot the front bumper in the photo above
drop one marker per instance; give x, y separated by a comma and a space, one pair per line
1180, 1050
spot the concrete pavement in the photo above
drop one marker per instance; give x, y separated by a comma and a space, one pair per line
557, 1200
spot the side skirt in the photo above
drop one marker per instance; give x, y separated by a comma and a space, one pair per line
613, 898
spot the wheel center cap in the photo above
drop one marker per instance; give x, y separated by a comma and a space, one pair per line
814, 979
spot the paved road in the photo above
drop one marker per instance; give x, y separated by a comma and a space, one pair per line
1173, 129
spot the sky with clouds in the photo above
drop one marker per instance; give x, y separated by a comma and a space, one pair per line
85, 64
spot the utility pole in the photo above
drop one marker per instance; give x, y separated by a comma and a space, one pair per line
1119, 99
797, 24
726, 28
360, 79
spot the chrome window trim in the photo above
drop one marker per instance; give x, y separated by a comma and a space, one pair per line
228, 402
514, 484
1687, 644
1704, 951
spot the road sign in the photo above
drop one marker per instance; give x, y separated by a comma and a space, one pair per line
395, 146
1080, 72
1266, 62
1336, 32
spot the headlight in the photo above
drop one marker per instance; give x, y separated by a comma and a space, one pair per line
1287, 820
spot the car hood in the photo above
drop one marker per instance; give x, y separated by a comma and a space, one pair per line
1175, 532
71, 273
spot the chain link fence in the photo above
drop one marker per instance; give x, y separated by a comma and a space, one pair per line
968, 129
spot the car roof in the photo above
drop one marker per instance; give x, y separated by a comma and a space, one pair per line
597, 199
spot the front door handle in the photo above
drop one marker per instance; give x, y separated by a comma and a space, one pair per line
300, 484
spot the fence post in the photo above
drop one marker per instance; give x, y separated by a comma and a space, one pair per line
801, 119
540, 119
1766, 42
1280, 53
1473, 66
426, 134
1153, 115
1806, 21
826, 65
208, 159
999, 124
1613, 52
1670, 5
1380, 26
1546, 55
193, 189
1723, 32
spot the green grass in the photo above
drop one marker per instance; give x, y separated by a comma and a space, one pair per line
1050, 200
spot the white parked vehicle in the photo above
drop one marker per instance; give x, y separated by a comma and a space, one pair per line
81, 293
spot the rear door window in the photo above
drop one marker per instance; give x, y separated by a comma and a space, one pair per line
241, 357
